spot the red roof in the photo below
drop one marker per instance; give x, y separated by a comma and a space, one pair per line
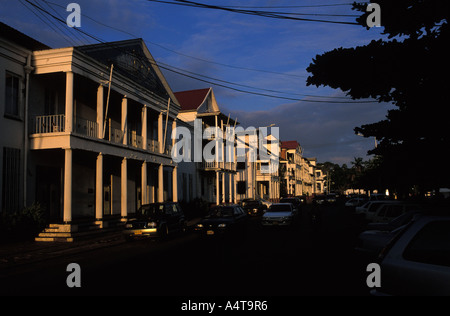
290, 144
192, 99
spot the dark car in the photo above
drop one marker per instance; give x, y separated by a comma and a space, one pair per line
319, 199
294, 201
156, 220
223, 219
253, 207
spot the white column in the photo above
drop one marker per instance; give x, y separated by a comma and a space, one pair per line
175, 184
67, 217
124, 120
230, 187
144, 191
124, 189
174, 126
69, 102
217, 188
235, 188
160, 133
223, 187
100, 115
270, 189
99, 188
160, 183
144, 128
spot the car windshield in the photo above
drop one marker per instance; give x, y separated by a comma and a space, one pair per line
223, 211
150, 210
279, 208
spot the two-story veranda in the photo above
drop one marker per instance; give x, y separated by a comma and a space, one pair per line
99, 152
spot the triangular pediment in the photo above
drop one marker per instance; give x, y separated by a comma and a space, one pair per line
209, 104
132, 59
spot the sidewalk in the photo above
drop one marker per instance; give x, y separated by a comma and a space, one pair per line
27, 252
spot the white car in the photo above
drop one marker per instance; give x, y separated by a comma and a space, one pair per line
417, 261
389, 211
375, 206
279, 214
355, 202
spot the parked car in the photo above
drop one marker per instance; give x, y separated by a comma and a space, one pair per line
223, 219
354, 202
319, 199
371, 242
389, 211
279, 214
155, 220
265, 202
302, 198
253, 207
294, 201
394, 223
369, 209
417, 261
331, 198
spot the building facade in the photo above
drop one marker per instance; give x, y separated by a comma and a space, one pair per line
92, 132
216, 176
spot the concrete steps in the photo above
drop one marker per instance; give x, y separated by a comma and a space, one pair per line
78, 231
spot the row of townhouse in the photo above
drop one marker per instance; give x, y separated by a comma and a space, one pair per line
86, 132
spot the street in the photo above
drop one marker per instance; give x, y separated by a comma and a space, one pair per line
267, 261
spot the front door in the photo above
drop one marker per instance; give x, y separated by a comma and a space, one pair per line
48, 191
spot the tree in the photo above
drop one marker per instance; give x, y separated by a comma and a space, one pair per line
407, 69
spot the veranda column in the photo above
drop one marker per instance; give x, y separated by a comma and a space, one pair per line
175, 184
124, 120
124, 189
100, 115
174, 127
223, 187
144, 128
99, 188
144, 192
230, 187
217, 188
67, 216
69, 102
160, 183
235, 188
160, 133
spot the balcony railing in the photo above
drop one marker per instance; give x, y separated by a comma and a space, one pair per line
115, 135
48, 124
216, 165
153, 145
45, 124
86, 127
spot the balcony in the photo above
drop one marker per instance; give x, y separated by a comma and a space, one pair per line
217, 165
85, 127
53, 124
48, 124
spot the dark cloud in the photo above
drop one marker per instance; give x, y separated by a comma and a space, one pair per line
324, 130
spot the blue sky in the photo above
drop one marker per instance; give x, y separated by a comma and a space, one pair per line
325, 130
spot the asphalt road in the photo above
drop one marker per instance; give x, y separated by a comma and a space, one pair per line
299, 260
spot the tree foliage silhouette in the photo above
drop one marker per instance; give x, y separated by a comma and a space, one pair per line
408, 69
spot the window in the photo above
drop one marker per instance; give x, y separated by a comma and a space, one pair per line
240, 165
11, 176
394, 211
431, 245
12, 95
